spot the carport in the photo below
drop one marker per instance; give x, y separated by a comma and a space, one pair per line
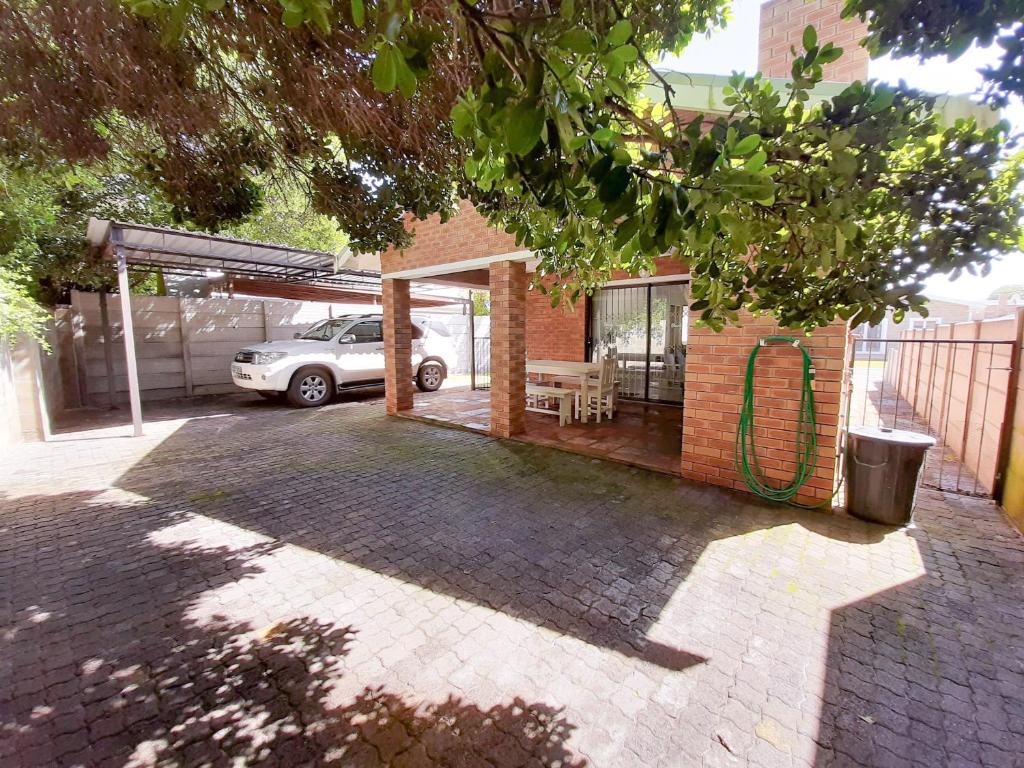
248, 267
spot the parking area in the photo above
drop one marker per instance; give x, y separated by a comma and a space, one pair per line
263, 585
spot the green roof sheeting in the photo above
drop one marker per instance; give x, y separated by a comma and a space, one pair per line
703, 93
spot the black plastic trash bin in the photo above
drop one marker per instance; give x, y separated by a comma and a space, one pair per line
882, 466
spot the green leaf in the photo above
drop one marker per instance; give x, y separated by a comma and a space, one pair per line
577, 40
293, 18
756, 161
881, 100
463, 119
614, 184
746, 145
620, 32
626, 230
404, 76
358, 13
829, 53
840, 243
844, 163
522, 131
143, 8
810, 37
385, 69
839, 140
625, 54
214, 5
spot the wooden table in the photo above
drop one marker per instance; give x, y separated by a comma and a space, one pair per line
567, 368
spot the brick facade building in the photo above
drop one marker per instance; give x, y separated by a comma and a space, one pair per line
466, 251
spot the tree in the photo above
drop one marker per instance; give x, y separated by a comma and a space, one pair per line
1006, 292
287, 217
949, 28
45, 213
535, 111
43, 219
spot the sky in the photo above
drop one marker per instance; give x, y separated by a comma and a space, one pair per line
735, 48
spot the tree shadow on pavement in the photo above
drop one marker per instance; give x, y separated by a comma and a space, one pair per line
108, 655
929, 672
590, 549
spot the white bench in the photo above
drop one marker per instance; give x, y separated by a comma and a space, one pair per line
538, 395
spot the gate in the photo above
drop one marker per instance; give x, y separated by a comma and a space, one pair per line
481, 363
479, 348
959, 391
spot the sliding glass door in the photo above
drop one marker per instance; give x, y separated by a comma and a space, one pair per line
644, 328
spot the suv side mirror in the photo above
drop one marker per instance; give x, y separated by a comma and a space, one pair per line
348, 338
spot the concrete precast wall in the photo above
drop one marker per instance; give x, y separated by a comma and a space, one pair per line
184, 346
10, 421
959, 391
29, 381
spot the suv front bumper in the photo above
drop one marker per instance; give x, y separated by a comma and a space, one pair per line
259, 377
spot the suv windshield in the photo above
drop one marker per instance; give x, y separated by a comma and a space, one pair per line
326, 330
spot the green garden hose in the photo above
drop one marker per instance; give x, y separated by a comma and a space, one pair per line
806, 431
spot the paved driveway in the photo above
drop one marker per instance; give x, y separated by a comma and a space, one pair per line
256, 585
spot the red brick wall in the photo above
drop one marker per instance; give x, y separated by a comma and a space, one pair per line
557, 333
397, 346
782, 27
465, 236
508, 348
715, 368
561, 333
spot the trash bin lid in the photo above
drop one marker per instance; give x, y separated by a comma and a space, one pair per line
894, 436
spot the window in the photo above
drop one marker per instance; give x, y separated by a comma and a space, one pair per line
366, 332
324, 331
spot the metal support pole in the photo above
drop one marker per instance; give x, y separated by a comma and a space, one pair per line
472, 343
128, 329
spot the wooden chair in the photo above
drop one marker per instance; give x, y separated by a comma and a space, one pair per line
602, 392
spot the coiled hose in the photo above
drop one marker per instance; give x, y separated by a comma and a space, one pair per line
806, 431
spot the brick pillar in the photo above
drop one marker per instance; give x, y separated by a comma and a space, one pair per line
782, 27
397, 346
508, 348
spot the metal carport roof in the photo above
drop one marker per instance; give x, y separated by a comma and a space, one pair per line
181, 252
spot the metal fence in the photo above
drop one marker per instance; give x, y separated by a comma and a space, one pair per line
481, 363
956, 390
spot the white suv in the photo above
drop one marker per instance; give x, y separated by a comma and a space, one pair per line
341, 353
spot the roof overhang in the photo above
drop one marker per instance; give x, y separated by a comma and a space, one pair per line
447, 272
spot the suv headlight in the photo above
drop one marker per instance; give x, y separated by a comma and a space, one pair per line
264, 358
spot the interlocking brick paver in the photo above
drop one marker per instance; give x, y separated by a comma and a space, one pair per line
255, 585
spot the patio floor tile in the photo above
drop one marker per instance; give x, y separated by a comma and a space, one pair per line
257, 585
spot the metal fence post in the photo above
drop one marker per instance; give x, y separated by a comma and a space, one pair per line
472, 342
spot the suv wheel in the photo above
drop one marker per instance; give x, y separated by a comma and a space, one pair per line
310, 387
430, 376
